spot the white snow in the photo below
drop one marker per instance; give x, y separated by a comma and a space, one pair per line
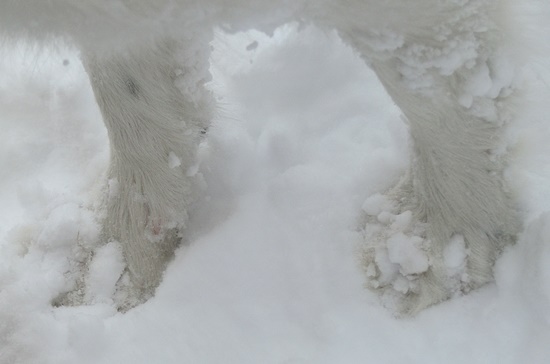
173, 160
455, 254
104, 271
402, 221
272, 271
406, 251
481, 82
376, 204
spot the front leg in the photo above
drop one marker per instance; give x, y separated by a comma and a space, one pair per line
440, 230
155, 108
453, 205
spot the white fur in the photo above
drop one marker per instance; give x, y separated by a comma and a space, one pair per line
444, 63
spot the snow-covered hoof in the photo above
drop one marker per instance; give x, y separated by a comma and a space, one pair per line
127, 296
401, 262
103, 277
99, 270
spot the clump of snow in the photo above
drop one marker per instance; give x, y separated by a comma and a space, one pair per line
173, 160
480, 82
104, 270
376, 203
402, 221
454, 255
385, 217
406, 251
388, 270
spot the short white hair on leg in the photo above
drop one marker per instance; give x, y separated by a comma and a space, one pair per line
154, 128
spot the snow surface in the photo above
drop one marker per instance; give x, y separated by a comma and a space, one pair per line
272, 270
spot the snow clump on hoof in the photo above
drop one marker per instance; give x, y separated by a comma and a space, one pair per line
400, 262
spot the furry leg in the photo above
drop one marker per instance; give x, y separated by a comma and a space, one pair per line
155, 108
454, 84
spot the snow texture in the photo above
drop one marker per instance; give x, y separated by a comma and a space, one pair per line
271, 273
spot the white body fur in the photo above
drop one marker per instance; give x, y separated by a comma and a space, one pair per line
148, 62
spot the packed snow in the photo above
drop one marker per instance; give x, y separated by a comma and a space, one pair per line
304, 143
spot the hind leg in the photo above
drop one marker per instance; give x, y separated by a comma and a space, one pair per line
440, 230
155, 108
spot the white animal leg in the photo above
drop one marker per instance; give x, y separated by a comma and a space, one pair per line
155, 107
440, 231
